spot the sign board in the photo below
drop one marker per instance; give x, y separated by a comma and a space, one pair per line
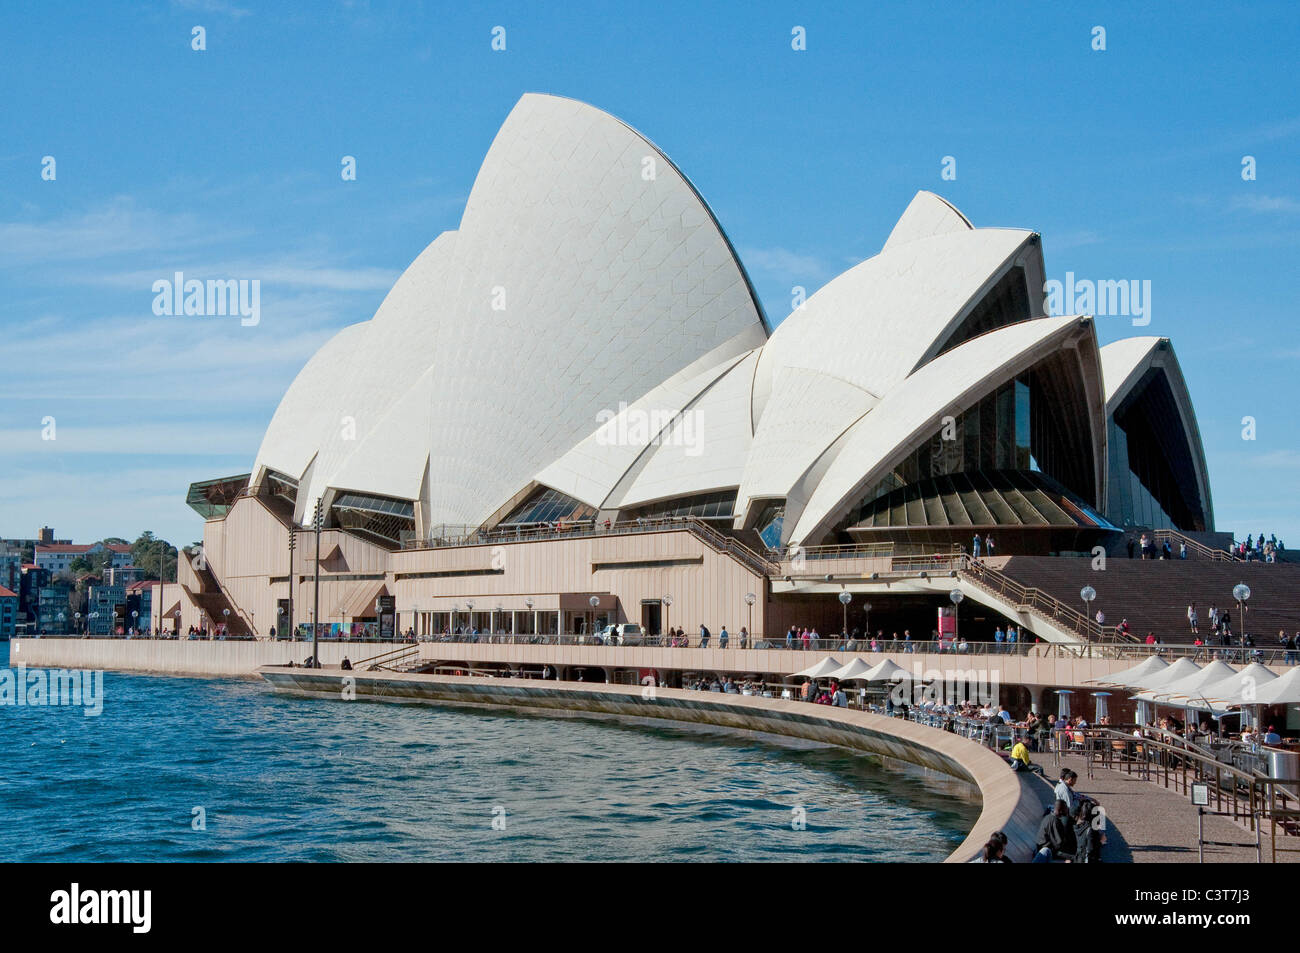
1200, 794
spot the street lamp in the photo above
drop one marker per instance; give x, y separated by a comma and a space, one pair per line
845, 599
225, 621
956, 596
79, 632
178, 623
469, 611
1087, 594
750, 599
498, 621
530, 603
594, 601
135, 619
1241, 592
378, 627
866, 610
668, 604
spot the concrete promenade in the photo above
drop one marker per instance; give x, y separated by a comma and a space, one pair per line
1148, 823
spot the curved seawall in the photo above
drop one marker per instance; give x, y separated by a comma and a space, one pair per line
1010, 802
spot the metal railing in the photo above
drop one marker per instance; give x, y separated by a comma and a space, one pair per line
1248, 796
1175, 538
1038, 602
718, 541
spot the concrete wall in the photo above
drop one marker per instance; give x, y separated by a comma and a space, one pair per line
1010, 802
178, 657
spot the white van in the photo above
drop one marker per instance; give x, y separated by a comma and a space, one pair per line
627, 633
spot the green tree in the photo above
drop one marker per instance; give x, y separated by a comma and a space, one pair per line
146, 552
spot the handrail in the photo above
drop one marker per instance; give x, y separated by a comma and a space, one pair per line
1036, 601
221, 591
384, 659
1196, 546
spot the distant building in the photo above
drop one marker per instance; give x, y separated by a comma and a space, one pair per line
11, 567
53, 609
58, 557
101, 608
8, 613
32, 579
123, 575
140, 599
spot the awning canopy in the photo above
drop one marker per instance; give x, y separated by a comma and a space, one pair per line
1172, 693
1283, 690
362, 603
1228, 693
855, 668
1122, 678
1166, 676
821, 670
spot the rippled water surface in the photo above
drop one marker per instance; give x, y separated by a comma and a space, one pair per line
282, 778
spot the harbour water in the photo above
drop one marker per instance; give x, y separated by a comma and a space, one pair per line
189, 769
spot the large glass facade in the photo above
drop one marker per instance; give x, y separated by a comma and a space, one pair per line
705, 506
546, 505
992, 435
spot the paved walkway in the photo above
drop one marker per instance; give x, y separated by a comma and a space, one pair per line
1151, 824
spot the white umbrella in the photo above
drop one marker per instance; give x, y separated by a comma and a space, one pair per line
821, 670
851, 671
885, 671
1192, 685
1152, 665
1166, 676
1223, 694
1283, 690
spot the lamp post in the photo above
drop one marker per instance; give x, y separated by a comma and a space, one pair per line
61, 619
1087, 594
498, 622
178, 624
135, 619
225, 620
79, 632
92, 623
317, 519
279, 620
379, 629
293, 544
956, 596
1241, 592
750, 599
469, 611
530, 603
845, 599
866, 611
594, 601
668, 604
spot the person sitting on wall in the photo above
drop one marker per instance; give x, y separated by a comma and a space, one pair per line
347, 664
1056, 837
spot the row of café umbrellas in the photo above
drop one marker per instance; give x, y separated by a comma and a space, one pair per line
858, 670
1216, 687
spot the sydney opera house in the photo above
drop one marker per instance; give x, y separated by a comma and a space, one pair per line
573, 409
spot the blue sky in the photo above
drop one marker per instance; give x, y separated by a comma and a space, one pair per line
225, 163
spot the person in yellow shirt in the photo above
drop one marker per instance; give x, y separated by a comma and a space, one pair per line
1020, 757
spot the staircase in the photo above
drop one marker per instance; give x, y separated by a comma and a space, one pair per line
1154, 594
1037, 601
212, 600
721, 543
